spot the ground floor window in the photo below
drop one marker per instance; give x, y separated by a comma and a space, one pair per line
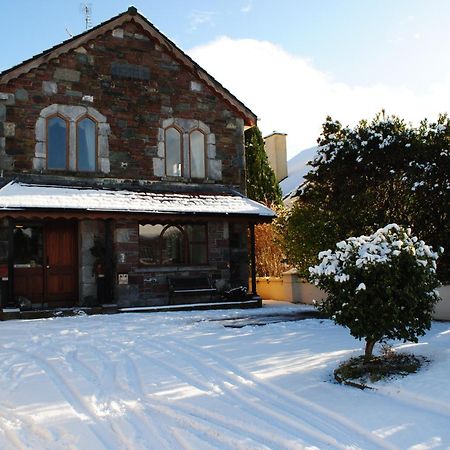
28, 246
170, 244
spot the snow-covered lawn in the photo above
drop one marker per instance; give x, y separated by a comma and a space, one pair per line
182, 380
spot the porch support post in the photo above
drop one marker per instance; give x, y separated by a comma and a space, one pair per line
109, 266
253, 257
11, 224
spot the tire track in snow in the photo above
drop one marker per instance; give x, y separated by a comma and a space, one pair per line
137, 424
196, 417
11, 429
280, 397
14, 423
9, 370
10, 420
73, 398
201, 386
401, 395
135, 386
215, 438
129, 427
142, 426
284, 423
206, 434
260, 436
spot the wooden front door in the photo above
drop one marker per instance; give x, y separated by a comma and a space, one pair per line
61, 262
46, 263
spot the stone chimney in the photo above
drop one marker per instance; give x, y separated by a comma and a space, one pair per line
275, 145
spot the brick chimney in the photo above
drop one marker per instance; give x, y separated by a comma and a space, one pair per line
275, 145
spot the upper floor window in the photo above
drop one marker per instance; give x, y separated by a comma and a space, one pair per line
86, 145
72, 138
174, 153
197, 154
57, 142
186, 148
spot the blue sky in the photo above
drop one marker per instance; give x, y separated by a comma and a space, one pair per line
292, 62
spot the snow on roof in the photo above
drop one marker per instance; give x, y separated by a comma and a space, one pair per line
17, 195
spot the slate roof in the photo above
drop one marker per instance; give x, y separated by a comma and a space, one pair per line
18, 195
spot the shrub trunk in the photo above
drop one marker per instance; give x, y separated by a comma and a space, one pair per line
370, 343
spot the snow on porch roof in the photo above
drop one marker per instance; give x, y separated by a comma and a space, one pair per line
22, 196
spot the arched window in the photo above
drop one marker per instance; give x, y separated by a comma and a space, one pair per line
173, 246
197, 154
176, 245
149, 244
57, 143
173, 152
71, 137
86, 145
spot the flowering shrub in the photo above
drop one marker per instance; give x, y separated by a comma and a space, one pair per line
381, 286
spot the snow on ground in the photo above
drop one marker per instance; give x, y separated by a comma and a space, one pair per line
182, 380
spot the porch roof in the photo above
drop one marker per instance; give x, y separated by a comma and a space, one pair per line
20, 196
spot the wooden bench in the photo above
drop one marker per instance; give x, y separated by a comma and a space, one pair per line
200, 284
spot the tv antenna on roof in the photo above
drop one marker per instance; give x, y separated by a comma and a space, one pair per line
86, 10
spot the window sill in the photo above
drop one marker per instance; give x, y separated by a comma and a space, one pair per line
169, 269
70, 172
187, 180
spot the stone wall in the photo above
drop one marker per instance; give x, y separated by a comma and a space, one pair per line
4, 228
239, 258
126, 251
87, 231
7, 130
136, 86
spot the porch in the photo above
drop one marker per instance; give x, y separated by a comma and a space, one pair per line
76, 260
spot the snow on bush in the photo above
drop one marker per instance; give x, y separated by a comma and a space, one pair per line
381, 286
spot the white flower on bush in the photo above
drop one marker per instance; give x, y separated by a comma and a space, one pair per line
378, 248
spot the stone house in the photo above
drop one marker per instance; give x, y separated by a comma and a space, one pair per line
121, 166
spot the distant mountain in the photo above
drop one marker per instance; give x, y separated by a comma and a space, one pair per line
297, 169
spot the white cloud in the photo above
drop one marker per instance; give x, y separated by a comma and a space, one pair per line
248, 6
290, 95
199, 18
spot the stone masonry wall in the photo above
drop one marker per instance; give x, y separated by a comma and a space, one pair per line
136, 85
7, 130
87, 231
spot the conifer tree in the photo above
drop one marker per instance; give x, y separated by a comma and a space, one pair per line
262, 184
